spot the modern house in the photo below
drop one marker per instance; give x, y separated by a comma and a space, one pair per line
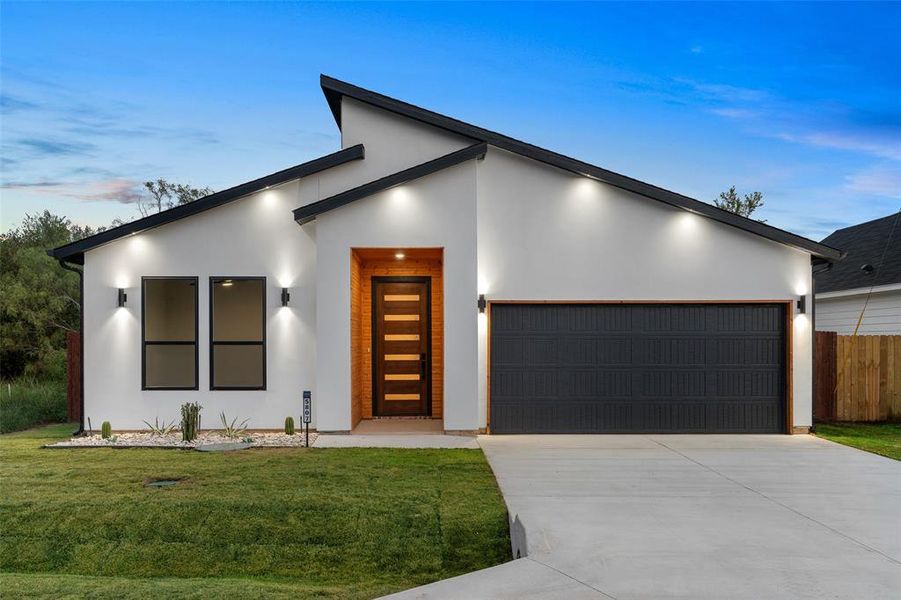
866, 286
434, 269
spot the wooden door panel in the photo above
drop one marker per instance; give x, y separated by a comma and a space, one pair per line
401, 349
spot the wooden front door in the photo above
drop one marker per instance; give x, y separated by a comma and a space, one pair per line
401, 358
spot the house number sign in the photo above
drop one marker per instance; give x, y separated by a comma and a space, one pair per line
307, 414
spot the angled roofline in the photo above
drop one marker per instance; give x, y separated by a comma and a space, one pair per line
308, 213
74, 252
334, 89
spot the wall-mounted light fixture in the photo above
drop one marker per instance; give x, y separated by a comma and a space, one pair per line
286, 296
802, 304
483, 303
122, 297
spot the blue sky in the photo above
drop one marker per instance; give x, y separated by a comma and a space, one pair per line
799, 101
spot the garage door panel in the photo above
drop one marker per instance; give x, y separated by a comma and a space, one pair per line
671, 351
673, 318
637, 368
541, 350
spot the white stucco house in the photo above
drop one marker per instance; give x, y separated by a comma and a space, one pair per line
862, 293
438, 270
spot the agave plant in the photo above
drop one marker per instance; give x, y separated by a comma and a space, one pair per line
160, 429
232, 429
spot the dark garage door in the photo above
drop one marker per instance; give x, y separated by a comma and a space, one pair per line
637, 368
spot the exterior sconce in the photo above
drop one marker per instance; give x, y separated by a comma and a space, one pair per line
286, 296
482, 303
802, 304
122, 298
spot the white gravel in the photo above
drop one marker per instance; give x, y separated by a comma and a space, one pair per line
256, 439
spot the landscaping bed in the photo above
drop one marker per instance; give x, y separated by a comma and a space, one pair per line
250, 439
285, 522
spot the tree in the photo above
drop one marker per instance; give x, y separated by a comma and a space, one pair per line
165, 195
744, 207
39, 301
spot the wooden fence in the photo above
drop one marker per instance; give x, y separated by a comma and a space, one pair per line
73, 374
858, 378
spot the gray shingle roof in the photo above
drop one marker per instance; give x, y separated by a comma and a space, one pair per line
865, 244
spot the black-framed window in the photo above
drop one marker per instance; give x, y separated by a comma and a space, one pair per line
169, 333
237, 333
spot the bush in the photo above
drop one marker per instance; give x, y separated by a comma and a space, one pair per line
25, 403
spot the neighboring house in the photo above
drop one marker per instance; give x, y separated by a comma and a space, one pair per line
869, 276
435, 269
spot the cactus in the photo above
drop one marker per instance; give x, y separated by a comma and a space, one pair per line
289, 425
106, 430
190, 420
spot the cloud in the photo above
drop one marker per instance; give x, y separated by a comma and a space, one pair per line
876, 143
124, 191
734, 113
10, 104
50, 147
880, 180
697, 49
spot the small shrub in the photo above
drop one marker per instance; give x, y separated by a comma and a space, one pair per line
232, 429
289, 425
106, 430
160, 428
190, 420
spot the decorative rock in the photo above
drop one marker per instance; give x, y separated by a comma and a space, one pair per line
261, 439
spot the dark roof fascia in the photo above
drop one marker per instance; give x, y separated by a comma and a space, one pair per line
307, 213
334, 89
74, 252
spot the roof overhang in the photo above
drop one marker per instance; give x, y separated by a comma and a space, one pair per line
74, 252
307, 213
335, 89
876, 289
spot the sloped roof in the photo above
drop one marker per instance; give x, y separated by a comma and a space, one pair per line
335, 89
865, 244
307, 213
74, 252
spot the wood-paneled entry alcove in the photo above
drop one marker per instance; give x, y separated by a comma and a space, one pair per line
366, 263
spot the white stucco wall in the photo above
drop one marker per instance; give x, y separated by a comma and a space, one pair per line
841, 313
544, 234
254, 236
435, 211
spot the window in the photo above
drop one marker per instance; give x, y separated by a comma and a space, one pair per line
237, 333
169, 333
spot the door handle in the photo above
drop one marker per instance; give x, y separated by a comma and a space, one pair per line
422, 364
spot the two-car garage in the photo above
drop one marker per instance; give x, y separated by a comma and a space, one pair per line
637, 368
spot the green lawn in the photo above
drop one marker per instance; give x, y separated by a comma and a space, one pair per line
308, 523
879, 438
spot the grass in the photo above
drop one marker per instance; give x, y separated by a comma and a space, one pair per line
879, 438
25, 404
304, 523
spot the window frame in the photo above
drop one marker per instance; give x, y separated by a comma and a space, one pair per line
263, 343
144, 342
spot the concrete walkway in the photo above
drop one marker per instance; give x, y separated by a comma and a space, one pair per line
692, 517
403, 440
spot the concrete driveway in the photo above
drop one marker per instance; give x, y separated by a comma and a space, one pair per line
683, 516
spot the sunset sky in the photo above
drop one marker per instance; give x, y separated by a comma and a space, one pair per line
799, 101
